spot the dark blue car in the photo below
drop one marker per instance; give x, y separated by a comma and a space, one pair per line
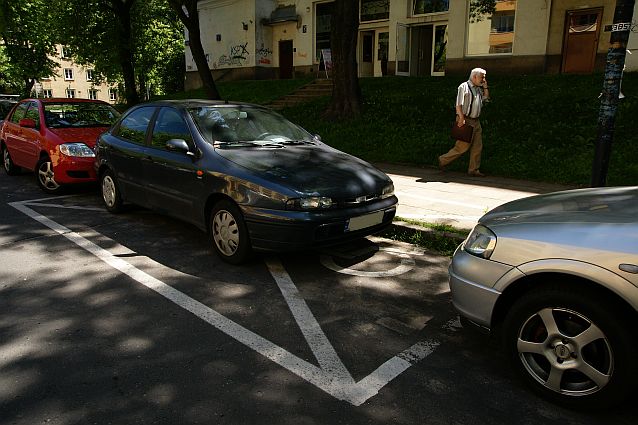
242, 172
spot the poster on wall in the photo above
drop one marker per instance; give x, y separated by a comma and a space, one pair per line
326, 57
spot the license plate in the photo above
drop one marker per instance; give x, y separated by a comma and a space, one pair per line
361, 222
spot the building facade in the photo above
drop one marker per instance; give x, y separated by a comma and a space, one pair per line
255, 39
74, 81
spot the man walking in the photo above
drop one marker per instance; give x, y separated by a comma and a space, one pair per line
469, 101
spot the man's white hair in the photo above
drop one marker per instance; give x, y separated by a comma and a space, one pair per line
477, 71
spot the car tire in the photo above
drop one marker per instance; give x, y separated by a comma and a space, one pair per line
46, 177
9, 167
587, 357
110, 192
229, 233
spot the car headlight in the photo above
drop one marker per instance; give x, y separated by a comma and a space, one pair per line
387, 191
481, 242
80, 150
309, 203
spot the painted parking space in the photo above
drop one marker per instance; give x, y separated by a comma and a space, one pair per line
365, 313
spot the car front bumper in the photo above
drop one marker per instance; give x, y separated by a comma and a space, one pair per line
70, 170
471, 281
275, 230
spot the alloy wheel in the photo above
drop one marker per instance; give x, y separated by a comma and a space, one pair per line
565, 351
47, 176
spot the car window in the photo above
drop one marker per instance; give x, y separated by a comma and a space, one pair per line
19, 112
33, 113
133, 127
242, 124
79, 114
169, 125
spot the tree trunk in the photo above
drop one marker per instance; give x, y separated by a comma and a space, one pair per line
611, 89
190, 18
346, 93
28, 86
125, 52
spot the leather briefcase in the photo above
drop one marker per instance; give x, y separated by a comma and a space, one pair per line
463, 133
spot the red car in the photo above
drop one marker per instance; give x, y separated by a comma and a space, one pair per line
55, 138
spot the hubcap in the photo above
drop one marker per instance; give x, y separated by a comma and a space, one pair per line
47, 177
108, 191
225, 232
565, 351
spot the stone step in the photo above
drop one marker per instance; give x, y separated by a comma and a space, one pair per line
313, 90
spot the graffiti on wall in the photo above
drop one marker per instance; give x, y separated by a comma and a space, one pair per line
238, 55
263, 55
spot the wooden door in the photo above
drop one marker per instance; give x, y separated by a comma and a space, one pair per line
285, 59
582, 29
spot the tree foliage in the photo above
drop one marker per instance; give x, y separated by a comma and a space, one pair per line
134, 41
480, 9
25, 31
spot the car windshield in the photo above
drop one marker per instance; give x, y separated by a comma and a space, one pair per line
80, 114
225, 125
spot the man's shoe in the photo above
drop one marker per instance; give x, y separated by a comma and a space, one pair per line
476, 173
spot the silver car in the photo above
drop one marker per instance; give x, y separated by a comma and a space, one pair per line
556, 277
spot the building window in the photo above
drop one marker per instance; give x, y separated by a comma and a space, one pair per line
491, 27
93, 94
68, 73
62, 53
421, 7
47, 93
89, 75
375, 10
112, 94
70, 93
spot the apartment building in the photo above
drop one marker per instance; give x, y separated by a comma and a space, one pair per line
74, 81
255, 39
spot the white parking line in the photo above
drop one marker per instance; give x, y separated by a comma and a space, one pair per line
331, 377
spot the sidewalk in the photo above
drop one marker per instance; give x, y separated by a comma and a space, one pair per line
433, 196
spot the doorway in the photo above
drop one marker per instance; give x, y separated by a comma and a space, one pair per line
366, 62
374, 51
582, 29
285, 60
421, 51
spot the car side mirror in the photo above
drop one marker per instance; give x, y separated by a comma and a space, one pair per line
317, 137
180, 145
27, 123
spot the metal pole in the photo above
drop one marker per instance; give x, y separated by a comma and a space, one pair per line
611, 89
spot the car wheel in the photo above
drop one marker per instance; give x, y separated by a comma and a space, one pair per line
9, 167
572, 347
229, 233
110, 192
46, 177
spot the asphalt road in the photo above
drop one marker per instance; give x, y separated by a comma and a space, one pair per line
131, 319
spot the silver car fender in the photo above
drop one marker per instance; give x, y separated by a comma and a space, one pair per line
604, 277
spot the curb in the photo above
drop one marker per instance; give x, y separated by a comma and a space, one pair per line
424, 232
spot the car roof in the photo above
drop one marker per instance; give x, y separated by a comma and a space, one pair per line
193, 103
62, 100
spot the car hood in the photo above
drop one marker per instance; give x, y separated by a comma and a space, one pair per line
87, 135
596, 205
311, 170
